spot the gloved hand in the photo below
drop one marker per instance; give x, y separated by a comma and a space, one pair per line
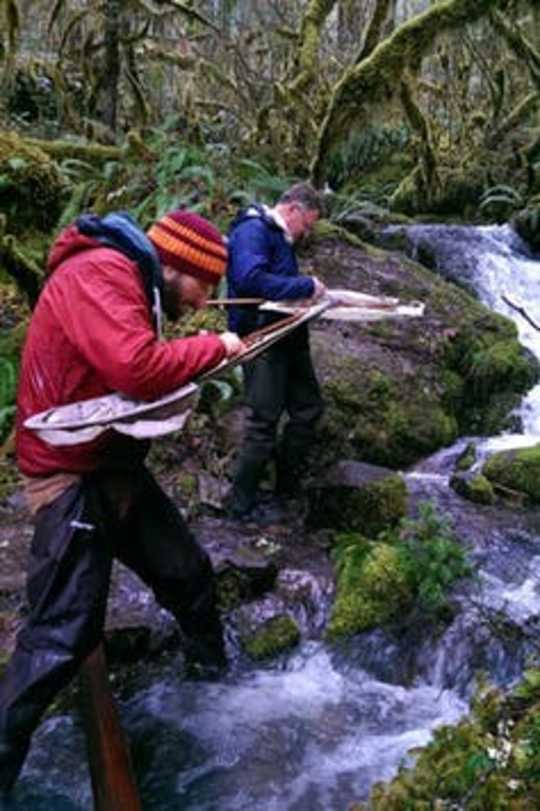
232, 343
319, 289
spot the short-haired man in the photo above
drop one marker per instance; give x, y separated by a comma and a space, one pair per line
94, 332
263, 264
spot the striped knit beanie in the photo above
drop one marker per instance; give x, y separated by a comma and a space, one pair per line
190, 244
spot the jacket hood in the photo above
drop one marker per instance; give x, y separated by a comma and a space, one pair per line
261, 212
120, 232
69, 243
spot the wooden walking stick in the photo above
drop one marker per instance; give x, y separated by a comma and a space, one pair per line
113, 781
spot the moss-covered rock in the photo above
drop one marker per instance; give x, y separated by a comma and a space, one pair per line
466, 458
31, 186
490, 372
276, 635
388, 421
357, 497
517, 470
372, 588
474, 488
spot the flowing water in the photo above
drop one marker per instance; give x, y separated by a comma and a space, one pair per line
317, 729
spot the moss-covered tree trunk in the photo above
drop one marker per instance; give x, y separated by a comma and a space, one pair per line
112, 63
378, 77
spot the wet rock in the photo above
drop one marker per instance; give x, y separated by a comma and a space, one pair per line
474, 487
357, 496
516, 472
276, 635
371, 593
467, 457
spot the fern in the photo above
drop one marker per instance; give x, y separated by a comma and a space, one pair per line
8, 388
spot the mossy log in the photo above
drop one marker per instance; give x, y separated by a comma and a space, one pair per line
68, 149
378, 77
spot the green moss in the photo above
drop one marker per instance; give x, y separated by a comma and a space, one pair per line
367, 508
368, 594
391, 423
490, 760
31, 188
481, 490
518, 470
467, 458
324, 229
491, 371
477, 489
187, 483
276, 635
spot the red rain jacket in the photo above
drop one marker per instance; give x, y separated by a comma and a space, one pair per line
91, 334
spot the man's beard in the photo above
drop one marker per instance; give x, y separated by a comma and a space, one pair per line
172, 305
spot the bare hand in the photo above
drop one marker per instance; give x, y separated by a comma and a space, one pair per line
232, 343
319, 289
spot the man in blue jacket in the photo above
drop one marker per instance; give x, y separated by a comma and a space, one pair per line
263, 264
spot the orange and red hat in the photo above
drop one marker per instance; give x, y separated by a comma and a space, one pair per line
190, 244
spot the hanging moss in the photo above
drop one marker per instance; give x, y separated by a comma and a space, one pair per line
378, 76
310, 34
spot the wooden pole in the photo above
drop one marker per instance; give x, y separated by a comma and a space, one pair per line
231, 302
113, 781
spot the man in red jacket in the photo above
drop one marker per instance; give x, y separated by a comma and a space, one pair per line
94, 331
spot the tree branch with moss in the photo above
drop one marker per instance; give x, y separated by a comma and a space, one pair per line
377, 78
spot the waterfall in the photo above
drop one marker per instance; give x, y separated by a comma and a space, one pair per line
492, 262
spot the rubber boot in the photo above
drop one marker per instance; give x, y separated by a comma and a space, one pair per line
245, 484
12, 757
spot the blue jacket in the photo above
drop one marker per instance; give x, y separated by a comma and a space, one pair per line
262, 264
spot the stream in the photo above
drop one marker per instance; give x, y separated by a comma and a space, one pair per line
316, 729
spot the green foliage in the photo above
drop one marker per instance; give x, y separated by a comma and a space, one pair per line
431, 556
8, 387
182, 178
365, 149
412, 565
500, 202
488, 762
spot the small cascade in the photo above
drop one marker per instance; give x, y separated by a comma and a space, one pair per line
492, 262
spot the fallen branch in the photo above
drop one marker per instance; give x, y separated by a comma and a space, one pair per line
519, 308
